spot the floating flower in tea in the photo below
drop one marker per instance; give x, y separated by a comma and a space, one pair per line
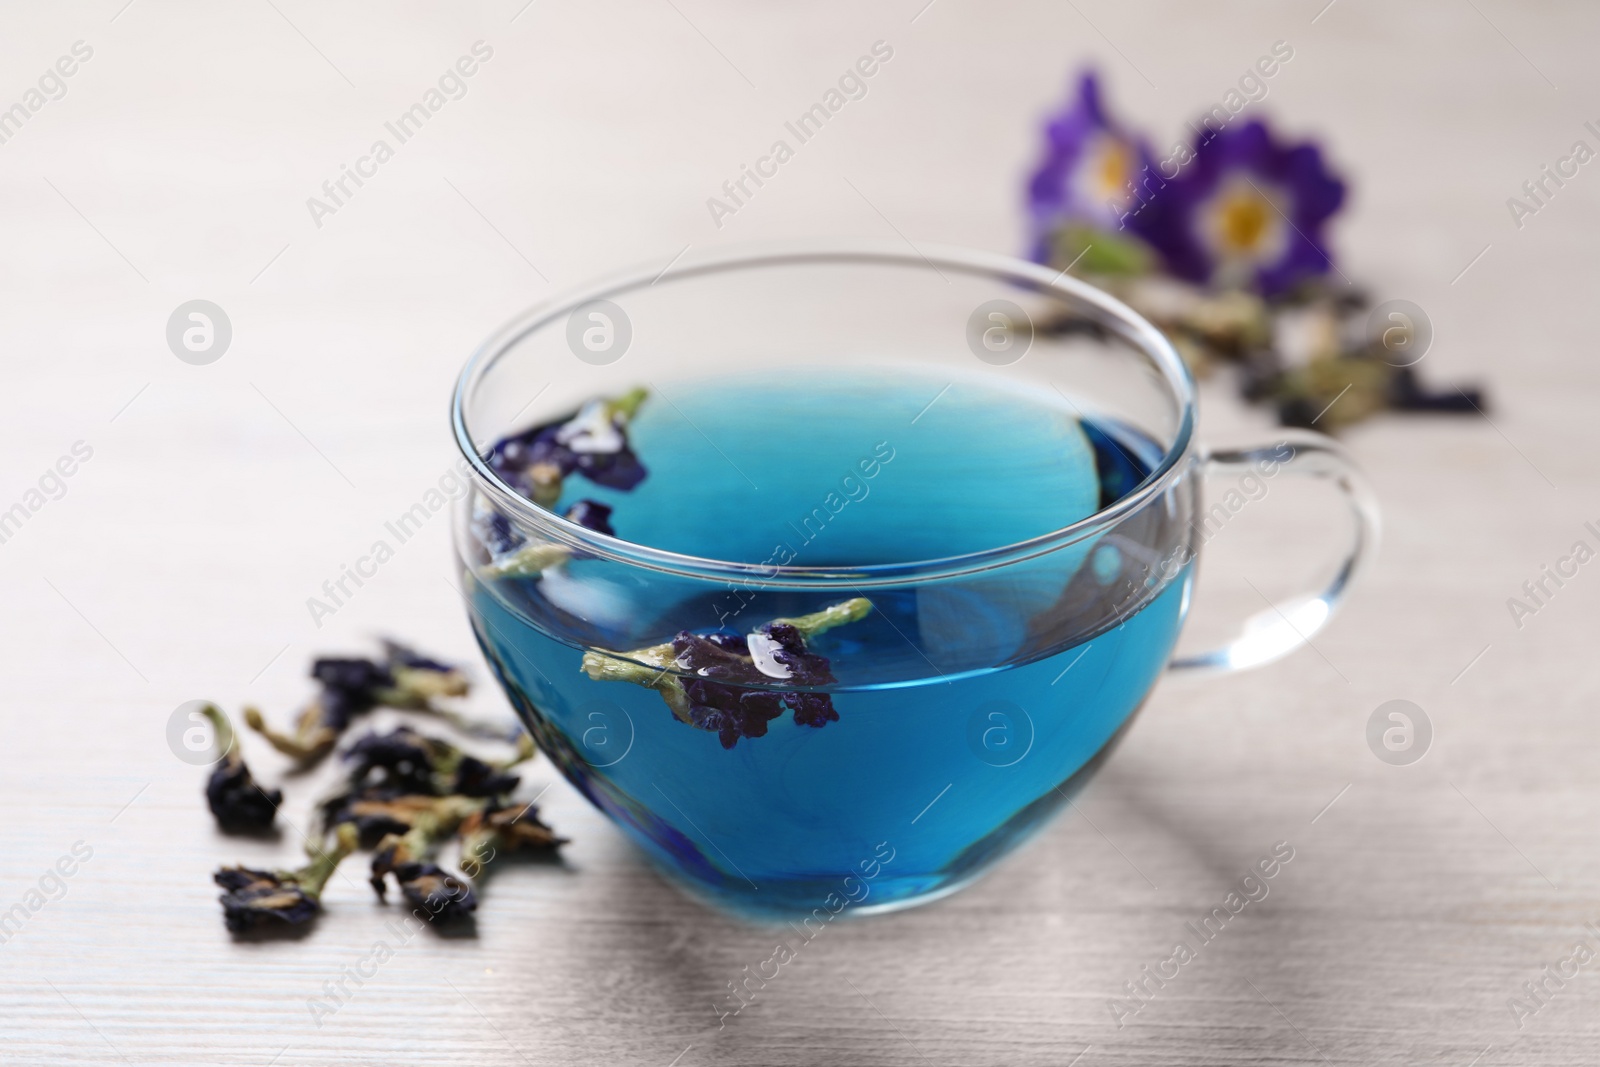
592, 443
725, 683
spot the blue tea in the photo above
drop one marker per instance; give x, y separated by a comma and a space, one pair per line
883, 738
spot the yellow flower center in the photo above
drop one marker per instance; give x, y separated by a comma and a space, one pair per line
1243, 226
1242, 221
1113, 167
1105, 173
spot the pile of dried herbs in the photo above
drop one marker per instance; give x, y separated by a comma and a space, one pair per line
405, 795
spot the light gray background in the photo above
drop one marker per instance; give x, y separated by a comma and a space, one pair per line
220, 497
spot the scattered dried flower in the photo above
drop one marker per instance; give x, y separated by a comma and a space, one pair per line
496, 831
238, 802
409, 858
406, 794
352, 686
418, 763
253, 898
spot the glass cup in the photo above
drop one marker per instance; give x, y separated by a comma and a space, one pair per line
972, 694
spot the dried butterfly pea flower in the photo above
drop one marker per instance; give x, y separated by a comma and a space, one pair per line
351, 686
710, 681
254, 898
496, 832
415, 675
592, 443
478, 778
375, 812
424, 764
409, 758
238, 802
408, 793
408, 857
444, 896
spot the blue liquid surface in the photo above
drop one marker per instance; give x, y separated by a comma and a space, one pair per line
968, 711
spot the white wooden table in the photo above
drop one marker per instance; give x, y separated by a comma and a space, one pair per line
176, 565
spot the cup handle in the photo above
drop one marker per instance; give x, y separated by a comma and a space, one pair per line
1278, 630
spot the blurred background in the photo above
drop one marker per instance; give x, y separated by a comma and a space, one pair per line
208, 502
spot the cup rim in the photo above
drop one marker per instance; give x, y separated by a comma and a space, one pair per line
1106, 309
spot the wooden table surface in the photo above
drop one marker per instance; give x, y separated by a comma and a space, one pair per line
175, 563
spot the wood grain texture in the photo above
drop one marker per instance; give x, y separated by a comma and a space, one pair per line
218, 498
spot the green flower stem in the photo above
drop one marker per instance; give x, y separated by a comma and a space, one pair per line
526, 750
626, 406
529, 561
417, 681
221, 730
1096, 251
546, 479
430, 829
649, 667
817, 622
310, 741
447, 760
314, 876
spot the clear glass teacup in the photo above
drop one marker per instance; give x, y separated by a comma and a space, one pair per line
831, 573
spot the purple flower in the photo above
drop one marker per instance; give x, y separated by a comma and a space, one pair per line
416, 763
426, 886
408, 758
238, 802
236, 799
1247, 212
423, 883
254, 898
1091, 170
732, 684
593, 443
725, 667
349, 687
